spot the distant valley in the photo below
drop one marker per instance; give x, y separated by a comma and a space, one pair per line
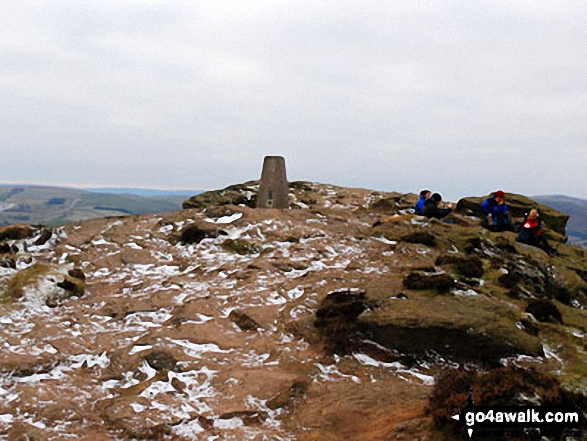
60, 205
576, 208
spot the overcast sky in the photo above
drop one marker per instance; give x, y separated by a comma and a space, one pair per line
463, 97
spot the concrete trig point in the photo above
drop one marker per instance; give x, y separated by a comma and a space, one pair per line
273, 189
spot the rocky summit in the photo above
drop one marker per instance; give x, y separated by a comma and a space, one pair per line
345, 317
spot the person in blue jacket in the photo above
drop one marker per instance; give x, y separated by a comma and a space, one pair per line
419, 207
498, 215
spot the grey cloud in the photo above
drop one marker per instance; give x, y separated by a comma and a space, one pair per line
463, 97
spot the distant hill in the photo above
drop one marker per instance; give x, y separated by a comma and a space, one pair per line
145, 192
576, 208
58, 205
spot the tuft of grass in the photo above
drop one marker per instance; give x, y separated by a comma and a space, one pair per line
24, 278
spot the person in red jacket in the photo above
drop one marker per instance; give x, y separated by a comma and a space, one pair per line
531, 232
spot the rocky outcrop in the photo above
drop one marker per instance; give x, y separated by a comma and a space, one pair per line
519, 206
46, 282
245, 194
194, 234
44, 236
16, 232
421, 280
243, 321
459, 328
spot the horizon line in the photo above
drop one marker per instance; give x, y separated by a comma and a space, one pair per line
96, 186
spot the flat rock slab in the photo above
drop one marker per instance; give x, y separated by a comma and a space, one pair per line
462, 328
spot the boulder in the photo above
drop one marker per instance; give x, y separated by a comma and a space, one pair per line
461, 328
245, 194
420, 237
44, 236
77, 273
16, 232
8, 249
466, 266
243, 321
194, 234
7, 262
393, 202
544, 311
240, 246
336, 319
419, 281
160, 360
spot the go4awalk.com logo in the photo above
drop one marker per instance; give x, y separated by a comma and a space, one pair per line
491, 419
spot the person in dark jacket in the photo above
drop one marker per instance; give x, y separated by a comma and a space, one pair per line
498, 215
419, 207
531, 232
432, 208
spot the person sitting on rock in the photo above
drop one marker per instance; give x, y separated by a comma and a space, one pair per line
419, 207
498, 216
531, 232
432, 208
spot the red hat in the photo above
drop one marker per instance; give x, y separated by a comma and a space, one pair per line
500, 194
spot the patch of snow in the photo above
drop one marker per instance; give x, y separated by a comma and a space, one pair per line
298, 310
138, 408
467, 293
101, 241
295, 293
188, 429
156, 318
7, 271
196, 350
331, 373
549, 353
233, 423
252, 359
166, 229
110, 384
157, 388
385, 241
201, 318
419, 220
37, 424
102, 272
129, 380
275, 299
225, 219
147, 370
139, 348
6, 418
426, 380
6, 396
371, 269
91, 360
226, 311
57, 373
